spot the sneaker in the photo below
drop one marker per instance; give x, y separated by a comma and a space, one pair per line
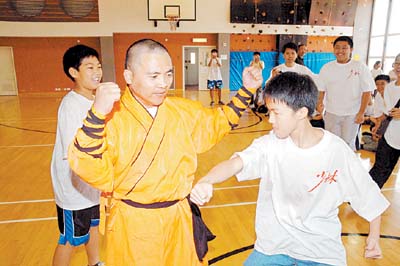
221, 102
211, 103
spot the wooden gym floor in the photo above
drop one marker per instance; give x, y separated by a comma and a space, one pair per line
28, 225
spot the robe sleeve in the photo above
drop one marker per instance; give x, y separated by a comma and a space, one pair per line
212, 124
89, 155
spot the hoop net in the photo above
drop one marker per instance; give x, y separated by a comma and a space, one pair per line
173, 21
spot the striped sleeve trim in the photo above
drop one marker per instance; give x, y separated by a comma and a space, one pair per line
249, 93
88, 149
93, 119
236, 109
90, 132
233, 125
245, 100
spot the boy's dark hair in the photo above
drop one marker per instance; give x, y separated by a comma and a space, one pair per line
295, 90
382, 77
256, 53
135, 48
344, 39
74, 55
289, 45
214, 51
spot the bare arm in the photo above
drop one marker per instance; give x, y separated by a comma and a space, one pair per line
320, 103
203, 190
218, 62
372, 249
365, 98
209, 63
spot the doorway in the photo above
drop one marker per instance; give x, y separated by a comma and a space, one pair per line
8, 80
191, 66
195, 67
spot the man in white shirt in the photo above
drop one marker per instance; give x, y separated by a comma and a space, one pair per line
345, 90
388, 151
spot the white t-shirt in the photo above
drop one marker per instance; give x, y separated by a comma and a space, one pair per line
214, 71
379, 106
391, 96
300, 192
344, 85
70, 191
261, 64
299, 69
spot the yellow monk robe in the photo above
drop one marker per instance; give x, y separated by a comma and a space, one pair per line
144, 159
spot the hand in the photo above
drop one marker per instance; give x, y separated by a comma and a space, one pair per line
320, 108
252, 77
201, 193
275, 71
395, 113
359, 118
372, 249
106, 94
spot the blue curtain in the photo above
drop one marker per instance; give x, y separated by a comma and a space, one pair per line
240, 60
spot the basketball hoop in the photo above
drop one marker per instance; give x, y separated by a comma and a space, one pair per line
173, 22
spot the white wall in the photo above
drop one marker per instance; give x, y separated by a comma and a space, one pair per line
213, 16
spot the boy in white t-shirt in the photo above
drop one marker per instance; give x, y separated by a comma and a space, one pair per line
388, 150
345, 90
289, 51
77, 202
306, 174
214, 79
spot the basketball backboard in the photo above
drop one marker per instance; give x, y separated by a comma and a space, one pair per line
159, 10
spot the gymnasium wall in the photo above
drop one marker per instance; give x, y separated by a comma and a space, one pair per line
212, 16
38, 61
268, 43
173, 42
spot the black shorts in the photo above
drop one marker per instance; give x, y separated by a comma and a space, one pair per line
74, 226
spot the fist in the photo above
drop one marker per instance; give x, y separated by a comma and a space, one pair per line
252, 77
201, 193
275, 71
106, 94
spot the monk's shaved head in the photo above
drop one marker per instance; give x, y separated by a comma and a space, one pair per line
138, 48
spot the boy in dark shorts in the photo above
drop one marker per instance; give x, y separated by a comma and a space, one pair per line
214, 79
77, 202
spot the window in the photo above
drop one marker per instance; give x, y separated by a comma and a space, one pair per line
384, 42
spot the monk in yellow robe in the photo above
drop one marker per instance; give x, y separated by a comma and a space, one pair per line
143, 154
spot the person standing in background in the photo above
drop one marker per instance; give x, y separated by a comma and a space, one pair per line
214, 80
302, 50
377, 69
345, 89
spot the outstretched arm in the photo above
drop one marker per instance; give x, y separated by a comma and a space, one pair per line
203, 190
372, 249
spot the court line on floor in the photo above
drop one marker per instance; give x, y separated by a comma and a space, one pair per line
28, 220
27, 129
27, 146
26, 201
54, 218
209, 206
